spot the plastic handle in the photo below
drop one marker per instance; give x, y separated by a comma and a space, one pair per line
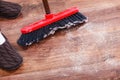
50, 18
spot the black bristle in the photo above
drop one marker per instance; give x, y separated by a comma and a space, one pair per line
79, 15
37, 35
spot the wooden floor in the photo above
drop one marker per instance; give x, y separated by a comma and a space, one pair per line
86, 52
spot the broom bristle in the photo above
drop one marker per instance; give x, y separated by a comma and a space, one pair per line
36, 36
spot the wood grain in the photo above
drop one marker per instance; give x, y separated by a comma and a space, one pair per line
86, 52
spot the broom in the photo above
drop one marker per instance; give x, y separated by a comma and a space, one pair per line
39, 30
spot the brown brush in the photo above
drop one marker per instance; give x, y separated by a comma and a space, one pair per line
9, 10
9, 57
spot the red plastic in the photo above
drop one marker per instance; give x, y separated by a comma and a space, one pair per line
50, 18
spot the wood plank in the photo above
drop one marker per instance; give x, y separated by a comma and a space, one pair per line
87, 52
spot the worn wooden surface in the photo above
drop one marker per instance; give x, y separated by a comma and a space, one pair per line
86, 52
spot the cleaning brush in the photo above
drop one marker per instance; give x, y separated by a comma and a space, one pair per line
41, 29
9, 57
